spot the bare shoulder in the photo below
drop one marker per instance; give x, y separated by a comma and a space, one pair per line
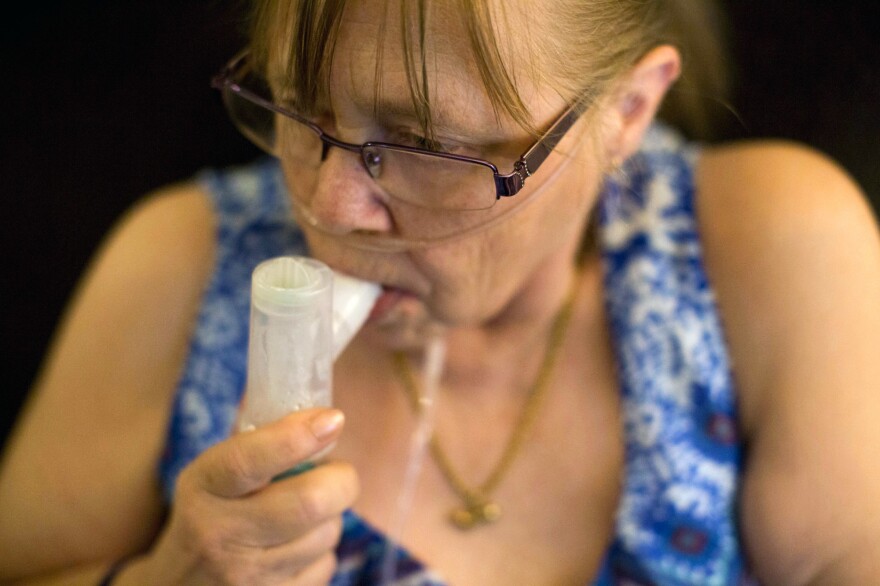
177, 217
785, 230
779, 181
793, 252
82, 458
168, 235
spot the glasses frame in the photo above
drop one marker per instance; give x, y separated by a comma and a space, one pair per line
506, 185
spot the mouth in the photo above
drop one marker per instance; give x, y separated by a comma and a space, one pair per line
398, 295
402, 320
395, 297
390, 301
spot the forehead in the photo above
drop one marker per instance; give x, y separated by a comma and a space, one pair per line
370, 60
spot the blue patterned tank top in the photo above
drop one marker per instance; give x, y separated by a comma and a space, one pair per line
676, 522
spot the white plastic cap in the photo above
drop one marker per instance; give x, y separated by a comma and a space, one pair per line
289, 283
302, 317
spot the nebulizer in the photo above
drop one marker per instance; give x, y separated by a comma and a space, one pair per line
303, 315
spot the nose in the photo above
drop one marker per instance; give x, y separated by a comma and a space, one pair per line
345, 198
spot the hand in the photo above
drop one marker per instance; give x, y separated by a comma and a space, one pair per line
231, 524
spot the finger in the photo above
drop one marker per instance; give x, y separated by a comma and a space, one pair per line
318, 573
311, 558
248, 461
294, 558
301, 562
287, 509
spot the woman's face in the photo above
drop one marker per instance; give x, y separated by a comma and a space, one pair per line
464, 280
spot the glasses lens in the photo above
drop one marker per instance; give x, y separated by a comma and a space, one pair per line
427, 200
297, 143
256, 123
254, 120
431, 181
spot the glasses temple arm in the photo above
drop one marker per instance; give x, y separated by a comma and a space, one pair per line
529, 161
535, 156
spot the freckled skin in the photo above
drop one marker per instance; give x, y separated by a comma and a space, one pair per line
475, 278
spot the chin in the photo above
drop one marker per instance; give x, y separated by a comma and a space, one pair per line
410, 322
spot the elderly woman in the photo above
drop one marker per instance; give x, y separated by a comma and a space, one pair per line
661, 357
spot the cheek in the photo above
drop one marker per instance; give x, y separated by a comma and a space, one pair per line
474, 278
463, 276
563, 216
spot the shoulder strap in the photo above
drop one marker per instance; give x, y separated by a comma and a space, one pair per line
677, 516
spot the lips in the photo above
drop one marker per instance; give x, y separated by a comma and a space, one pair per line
392, 297
387, 301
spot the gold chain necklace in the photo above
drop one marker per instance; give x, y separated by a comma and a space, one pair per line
477, 507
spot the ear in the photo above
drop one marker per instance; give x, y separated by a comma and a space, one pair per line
638, 97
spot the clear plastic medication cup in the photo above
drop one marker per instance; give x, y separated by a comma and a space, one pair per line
297, 328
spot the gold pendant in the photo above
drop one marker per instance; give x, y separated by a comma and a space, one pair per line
476, 511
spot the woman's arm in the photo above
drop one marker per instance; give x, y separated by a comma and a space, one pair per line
78, 481
794, 254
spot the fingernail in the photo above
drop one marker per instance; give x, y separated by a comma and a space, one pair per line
326, 422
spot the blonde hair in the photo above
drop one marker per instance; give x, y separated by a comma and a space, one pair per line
579, 46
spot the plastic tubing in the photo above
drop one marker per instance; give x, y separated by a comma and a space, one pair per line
435, 357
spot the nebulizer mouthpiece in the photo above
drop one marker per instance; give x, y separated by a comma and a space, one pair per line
302, 317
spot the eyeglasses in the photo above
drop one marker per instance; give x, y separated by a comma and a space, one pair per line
416, 176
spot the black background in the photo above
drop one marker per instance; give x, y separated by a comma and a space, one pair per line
105, 101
